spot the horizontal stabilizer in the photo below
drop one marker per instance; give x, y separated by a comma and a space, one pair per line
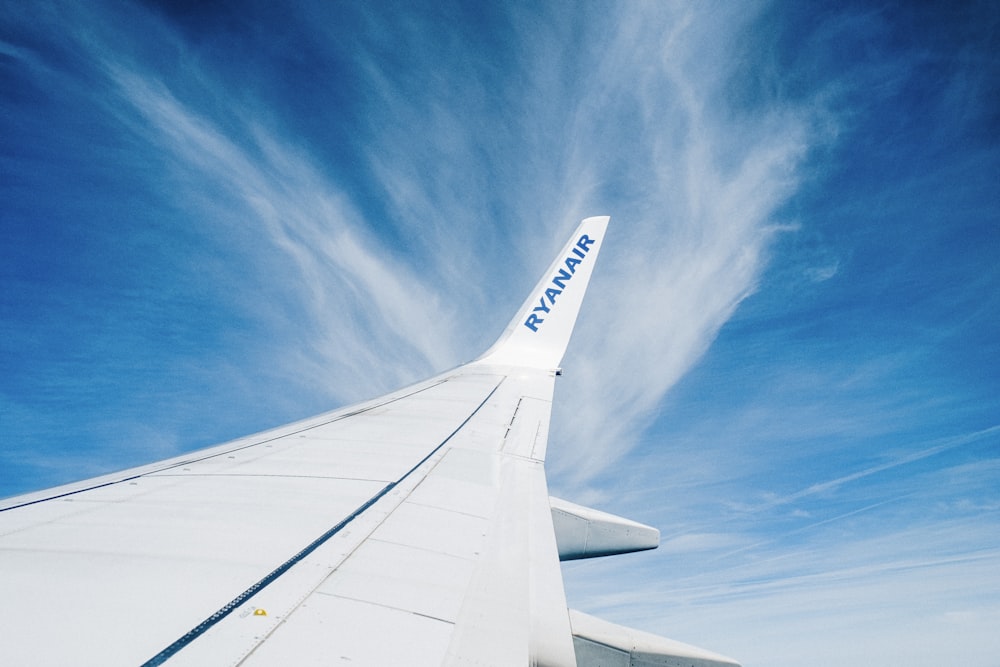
600, 643
582, 532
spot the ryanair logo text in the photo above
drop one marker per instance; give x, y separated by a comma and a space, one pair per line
548, 299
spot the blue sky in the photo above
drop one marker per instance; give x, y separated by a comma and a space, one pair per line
221, 217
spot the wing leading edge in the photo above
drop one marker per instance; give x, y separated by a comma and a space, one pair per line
413, 529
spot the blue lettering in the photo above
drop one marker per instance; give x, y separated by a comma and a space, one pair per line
561, 278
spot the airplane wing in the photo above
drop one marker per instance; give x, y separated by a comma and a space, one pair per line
413, 529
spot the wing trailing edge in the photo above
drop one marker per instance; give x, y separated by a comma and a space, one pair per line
598, 642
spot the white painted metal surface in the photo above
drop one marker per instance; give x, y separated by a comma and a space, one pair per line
602, 644
538, 334
165, 550
583, 532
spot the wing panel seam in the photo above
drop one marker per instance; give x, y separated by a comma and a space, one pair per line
229, 607
230, 451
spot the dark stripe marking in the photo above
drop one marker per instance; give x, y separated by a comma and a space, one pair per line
227, 609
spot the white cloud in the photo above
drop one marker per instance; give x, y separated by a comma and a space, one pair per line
370, 317
691, 228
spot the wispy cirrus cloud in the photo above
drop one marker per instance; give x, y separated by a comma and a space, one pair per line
694, 212
358, 299
881, 582
693, 206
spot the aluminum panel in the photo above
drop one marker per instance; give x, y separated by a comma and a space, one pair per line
402, 577
329, 630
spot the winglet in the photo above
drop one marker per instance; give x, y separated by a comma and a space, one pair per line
538, 334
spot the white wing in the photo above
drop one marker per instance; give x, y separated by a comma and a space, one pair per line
413, 529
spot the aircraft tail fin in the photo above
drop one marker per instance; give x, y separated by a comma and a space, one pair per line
538, 334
